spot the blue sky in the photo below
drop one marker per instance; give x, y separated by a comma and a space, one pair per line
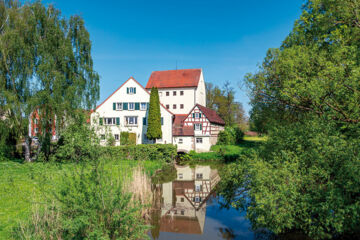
227, 39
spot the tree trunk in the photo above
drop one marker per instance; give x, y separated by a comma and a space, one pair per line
27, 149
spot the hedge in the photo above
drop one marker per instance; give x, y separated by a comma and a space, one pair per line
158, 152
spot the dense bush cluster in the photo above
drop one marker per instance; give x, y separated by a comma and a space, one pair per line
230, 136
156, 152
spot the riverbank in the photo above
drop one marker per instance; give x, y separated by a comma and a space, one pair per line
23, 184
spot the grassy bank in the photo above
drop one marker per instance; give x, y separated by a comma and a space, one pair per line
23, 184
227, 153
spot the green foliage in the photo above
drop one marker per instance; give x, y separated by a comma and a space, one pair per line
305, 177
222, 100
155, 152
168, 173
45, 64
230, 136
154, 116
78, 143
127, 138
87, 204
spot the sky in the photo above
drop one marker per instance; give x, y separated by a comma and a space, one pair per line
227, 39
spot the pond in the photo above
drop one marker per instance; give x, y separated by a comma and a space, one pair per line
188, 208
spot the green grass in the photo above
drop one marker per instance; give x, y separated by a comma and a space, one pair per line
227, 153
23, 184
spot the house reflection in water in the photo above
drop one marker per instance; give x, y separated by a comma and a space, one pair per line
183, 201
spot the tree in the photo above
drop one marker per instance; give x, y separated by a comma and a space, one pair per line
45, 65
223, 102
306, 95
154, 119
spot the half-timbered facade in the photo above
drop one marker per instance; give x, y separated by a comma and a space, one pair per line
197, 130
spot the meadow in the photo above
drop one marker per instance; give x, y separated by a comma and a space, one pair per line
24, 184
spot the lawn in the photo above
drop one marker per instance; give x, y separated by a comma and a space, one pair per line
228, 153
23, 184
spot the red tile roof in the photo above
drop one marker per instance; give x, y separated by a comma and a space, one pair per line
174, 78
211, 115
178, 126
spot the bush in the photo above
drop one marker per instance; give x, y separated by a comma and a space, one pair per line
230, 136
158, 152
87, 204
127, 138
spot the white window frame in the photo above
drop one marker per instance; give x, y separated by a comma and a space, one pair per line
197, 115
199, 176
180, 141
199, 140
133, 106
109, 121
135, 120
119, 106
102, 137
142, 104
117, 137
197, 127
197, 199
180, 176
197, 188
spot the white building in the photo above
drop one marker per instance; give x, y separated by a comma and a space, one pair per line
126, 109
185, 119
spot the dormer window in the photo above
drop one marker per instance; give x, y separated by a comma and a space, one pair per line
131, 90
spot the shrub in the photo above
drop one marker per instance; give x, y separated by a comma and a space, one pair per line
158, 152
127, 138
230, 136
88, 204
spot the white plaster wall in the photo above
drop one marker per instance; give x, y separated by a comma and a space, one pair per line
188, 99
204, 146
187, 172
201, 91
187, 145
121, 95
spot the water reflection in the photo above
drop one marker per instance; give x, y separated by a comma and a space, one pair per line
181, 207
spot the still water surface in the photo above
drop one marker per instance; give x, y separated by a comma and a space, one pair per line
188, 208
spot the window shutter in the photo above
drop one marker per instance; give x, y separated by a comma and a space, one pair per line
194, 126
125, 106
200, 126
199, 115
114, 106
117, 121
134, 90
137, 106
127, 90
101, 121
144, 121
193, 115
147, 106
162, 121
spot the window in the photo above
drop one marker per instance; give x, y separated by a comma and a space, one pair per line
197, 199
102, 136
119, 106
198, 140
143, 106
181, 93
131, 90
131, 120
167, 93
167, 106
35, 121
198, 188
174, 93
36, 130
180, 140
182, 212
182, 199
174, 106
131, 106
116, 136
199, 176
180, 176
144, 120
197, 126
181, 106
197, 115
110, 121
